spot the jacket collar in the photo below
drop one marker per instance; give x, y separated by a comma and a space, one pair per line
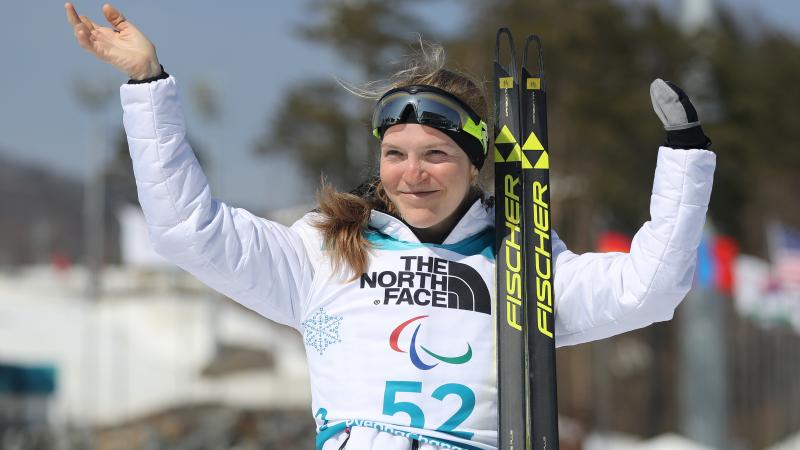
479, 217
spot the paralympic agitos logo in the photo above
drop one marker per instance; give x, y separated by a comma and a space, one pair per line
429, 281
414, 353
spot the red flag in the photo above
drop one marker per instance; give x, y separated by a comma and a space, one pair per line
725, 251
613, 241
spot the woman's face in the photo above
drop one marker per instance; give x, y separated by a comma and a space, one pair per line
425, 173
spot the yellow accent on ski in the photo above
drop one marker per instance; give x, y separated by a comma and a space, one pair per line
533, 143
516, 154
543, 162
505, 136
526, 164
534, 83
506, 82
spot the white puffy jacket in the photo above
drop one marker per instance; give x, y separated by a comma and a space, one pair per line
405, 352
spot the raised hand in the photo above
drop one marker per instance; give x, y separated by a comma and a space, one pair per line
122, 45
678, 116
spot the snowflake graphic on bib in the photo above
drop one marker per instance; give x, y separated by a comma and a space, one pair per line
321, 330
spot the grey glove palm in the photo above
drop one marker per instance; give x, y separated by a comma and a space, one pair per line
678, 115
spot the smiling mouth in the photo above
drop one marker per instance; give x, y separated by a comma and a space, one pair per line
419, 194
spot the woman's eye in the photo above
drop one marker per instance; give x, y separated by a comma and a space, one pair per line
392, 153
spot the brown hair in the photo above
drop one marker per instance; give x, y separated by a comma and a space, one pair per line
344, 216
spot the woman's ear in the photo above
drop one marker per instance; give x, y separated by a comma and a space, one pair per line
473, 174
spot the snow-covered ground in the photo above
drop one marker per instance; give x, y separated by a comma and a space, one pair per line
142, 347
618, 441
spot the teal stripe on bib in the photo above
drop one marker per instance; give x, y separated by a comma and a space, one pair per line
478, 244
329, 432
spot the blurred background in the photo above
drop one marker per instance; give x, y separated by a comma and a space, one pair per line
104, 345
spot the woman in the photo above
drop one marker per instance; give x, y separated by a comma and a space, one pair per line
391, 286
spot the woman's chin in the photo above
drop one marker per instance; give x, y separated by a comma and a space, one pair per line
421, 219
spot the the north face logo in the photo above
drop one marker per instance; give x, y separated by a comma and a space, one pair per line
431, 281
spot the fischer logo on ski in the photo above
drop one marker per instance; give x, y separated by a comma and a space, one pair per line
527, 405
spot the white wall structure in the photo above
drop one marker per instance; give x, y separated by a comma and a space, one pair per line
142, 347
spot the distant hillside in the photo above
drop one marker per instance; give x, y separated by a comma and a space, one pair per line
40, 213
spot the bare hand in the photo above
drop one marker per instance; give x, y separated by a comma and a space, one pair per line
122, 45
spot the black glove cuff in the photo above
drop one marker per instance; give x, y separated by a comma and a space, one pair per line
148, 80
688, 138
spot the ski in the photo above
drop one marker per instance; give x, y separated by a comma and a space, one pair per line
535, 161
511, 343
527, 402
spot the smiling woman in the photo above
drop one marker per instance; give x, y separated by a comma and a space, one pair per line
357, 276
428, 173
427, 176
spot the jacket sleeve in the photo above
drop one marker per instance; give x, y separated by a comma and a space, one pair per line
260, 264
598, 295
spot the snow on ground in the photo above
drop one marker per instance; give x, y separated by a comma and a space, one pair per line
619, 441
790, 443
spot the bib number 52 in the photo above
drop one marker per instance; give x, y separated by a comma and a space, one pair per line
391, 406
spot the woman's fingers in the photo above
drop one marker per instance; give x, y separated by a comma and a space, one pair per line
114, 17
120, 45
72, 15
88, 22
83, 35
79, 27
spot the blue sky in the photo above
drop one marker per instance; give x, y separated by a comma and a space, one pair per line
249, 53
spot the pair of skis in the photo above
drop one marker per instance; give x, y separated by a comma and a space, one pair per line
528, 407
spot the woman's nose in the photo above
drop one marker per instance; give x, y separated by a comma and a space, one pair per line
414, 171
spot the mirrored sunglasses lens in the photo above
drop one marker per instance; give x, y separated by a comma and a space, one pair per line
439, 113
389, 111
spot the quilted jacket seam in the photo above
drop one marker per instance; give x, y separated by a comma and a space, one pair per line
160, 162
671, 236
652, 279
164, 135
679, 201
192, 242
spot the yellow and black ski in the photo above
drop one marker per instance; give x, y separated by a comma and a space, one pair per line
528, 406
511, 343
539, 264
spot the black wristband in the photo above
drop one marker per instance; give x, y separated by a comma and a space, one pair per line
687, 139
162, 76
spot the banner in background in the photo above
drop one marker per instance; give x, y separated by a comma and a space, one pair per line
784, 253
769, 291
